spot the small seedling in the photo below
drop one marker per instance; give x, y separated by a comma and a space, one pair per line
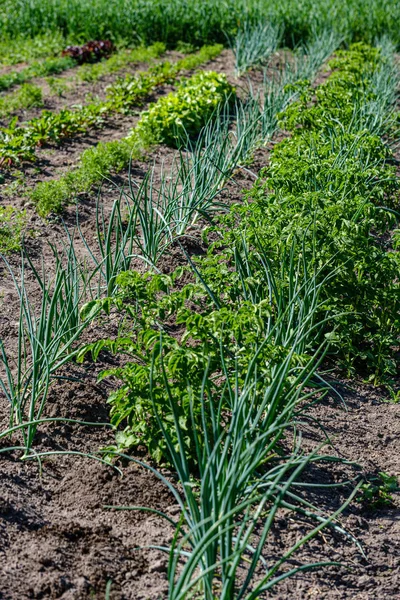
377, 491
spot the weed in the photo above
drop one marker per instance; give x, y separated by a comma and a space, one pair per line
377, 491
12, 226
27, 96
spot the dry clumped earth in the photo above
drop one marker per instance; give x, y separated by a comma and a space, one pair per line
57, 541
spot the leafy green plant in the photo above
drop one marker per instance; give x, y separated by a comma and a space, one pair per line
27, 96
19, 142
12, 226
98, 161
221, 314
333, 179
184, 112
377, 491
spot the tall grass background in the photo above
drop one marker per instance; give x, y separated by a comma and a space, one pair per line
196, 21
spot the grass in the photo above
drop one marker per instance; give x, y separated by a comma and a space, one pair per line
196, 22
26, 97
12, 227
49, 66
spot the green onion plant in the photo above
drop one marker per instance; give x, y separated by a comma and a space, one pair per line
46, 336
253, 44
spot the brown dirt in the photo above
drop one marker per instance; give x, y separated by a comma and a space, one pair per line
57, 540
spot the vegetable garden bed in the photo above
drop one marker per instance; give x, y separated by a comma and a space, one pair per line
200, 318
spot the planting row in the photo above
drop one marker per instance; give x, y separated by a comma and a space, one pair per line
315, 223
30, 95
183, 115
19, 142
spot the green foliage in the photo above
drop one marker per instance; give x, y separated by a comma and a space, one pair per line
131, 91
377, 491
12, 225
58, 86
96, 163
332, 179
193, 21
48, 326
50, 66
27, 96
22, 48
347, 90
99, 161
265, 329
315, 215
185, 111
253, 44
119, 60
19, 142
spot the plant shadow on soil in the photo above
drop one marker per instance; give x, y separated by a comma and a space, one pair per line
58, 541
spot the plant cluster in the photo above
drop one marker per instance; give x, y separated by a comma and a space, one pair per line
91, 51
47, 332
377, 491
333, 179
119, 60
133, 89
12, 225
27, 96
18, 142
184, 112
253, 44
99, 161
